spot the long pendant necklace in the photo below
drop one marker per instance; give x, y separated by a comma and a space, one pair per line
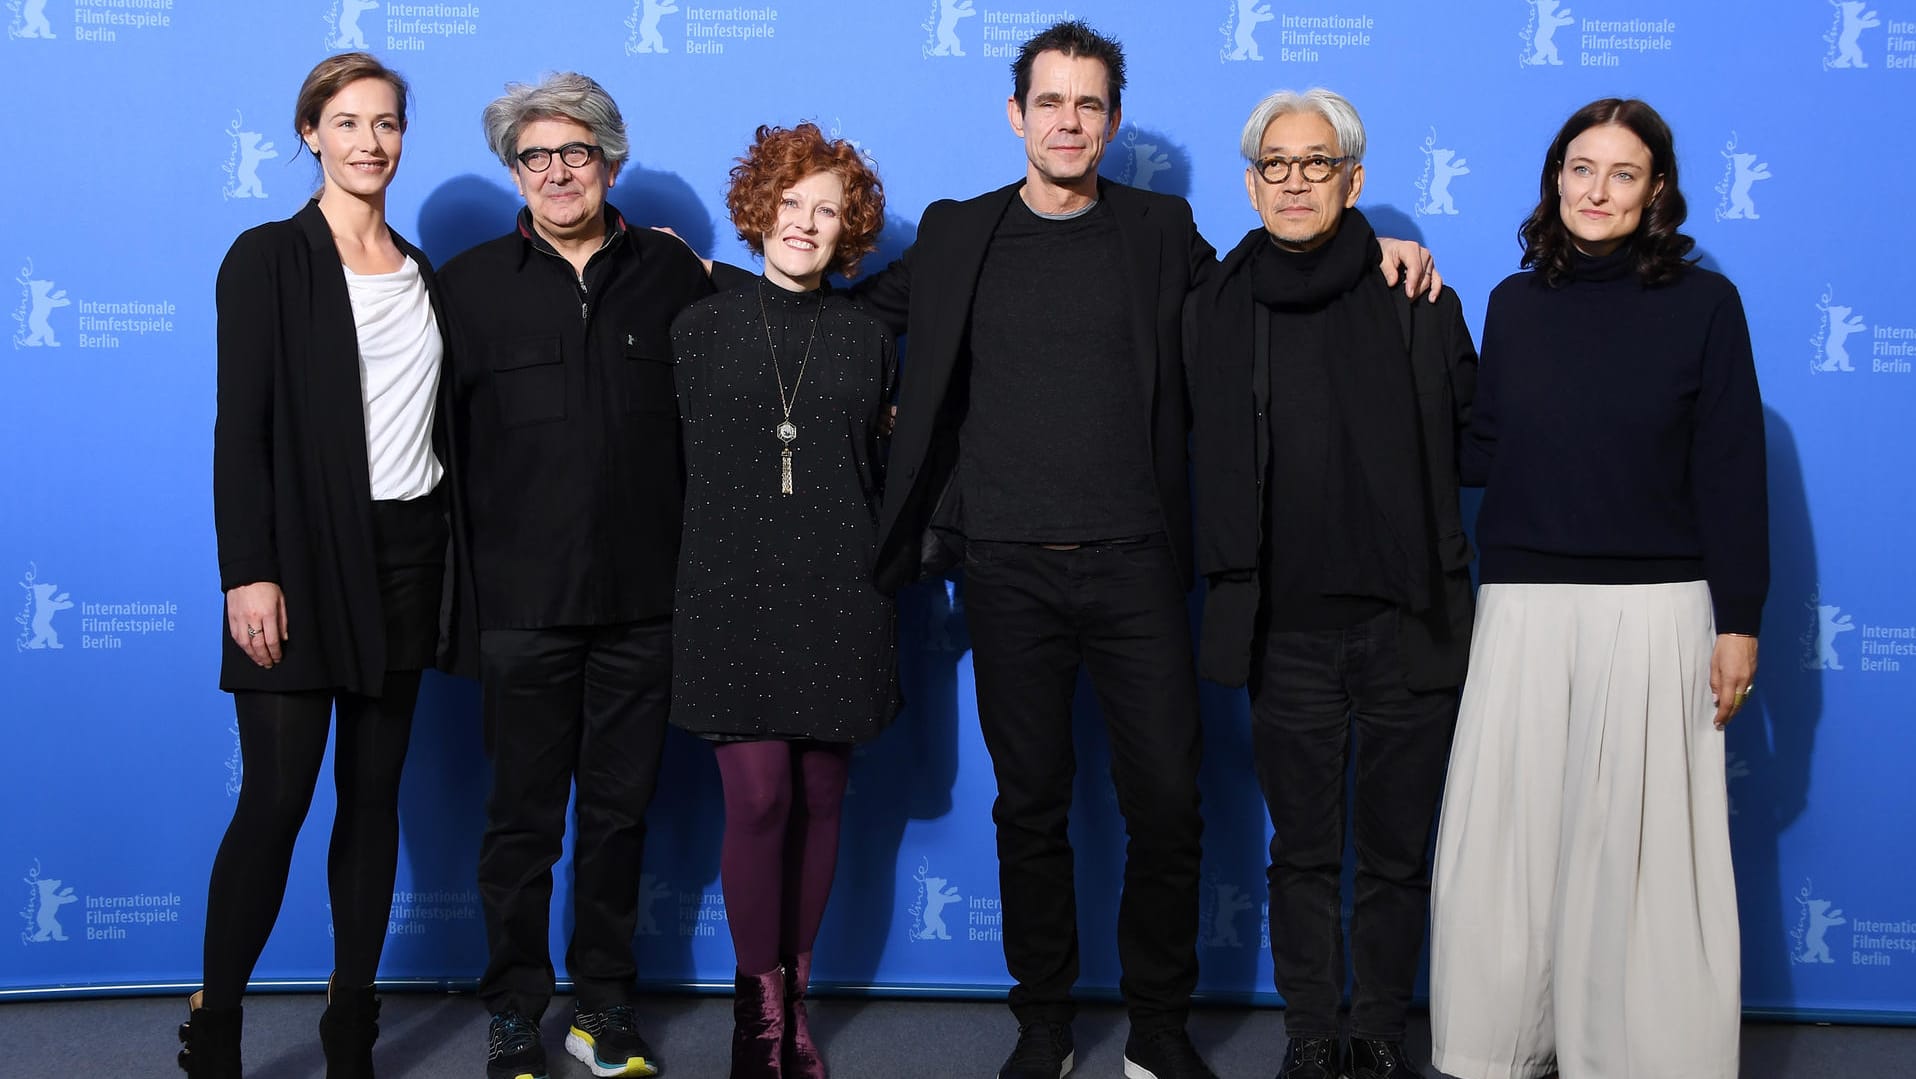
787, 431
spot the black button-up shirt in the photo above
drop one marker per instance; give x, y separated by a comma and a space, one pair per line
565, 424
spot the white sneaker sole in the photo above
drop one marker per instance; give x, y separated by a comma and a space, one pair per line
581, 1048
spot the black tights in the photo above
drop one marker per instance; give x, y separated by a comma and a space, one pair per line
282, 743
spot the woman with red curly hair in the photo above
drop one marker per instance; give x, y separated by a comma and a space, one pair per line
783, 649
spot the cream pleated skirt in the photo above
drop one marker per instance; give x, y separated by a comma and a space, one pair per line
1583, 908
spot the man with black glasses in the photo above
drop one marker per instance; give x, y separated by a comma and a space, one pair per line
1327, 411
568, 512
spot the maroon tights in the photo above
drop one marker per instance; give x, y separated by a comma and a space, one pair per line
781, 844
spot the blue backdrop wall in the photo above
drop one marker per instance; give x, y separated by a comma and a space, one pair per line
143, 135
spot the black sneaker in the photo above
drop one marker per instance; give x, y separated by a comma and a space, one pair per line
1371, 1059
512, 1048
1165, 1053
1044, 1051
608, 1042
1312, 1058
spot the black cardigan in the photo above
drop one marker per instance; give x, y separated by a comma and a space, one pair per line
292, 497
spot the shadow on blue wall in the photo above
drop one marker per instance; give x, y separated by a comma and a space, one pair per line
463, 212
1771, 746
649, 198
906, 775
1148, 158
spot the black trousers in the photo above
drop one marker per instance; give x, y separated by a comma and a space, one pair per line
1309, 692
1116, 610
565, 705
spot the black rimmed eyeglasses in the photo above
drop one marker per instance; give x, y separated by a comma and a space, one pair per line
576, 155
1317, 168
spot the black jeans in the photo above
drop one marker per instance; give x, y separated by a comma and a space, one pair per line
1309, 691
1117, 611
585, 703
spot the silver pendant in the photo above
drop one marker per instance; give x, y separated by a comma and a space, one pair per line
787, 432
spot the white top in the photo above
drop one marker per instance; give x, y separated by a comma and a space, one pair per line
399, 357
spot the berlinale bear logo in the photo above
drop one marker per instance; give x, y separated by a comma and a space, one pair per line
43, 601
1246, 17
1840, 323
38, 298
644, 26
1541, 33
928, 908
1845, 49
1740, 172
1819, 653
345, 19
1224, 902
45, 897
30, 20
1810, 943
942, 27
1441, 165
248, 149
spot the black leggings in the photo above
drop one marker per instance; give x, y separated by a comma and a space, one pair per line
282, 743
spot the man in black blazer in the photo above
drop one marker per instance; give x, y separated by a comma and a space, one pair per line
1328, 409
1042, 418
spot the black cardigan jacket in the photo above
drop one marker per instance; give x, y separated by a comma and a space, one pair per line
1231, 463
926, 295
292, 497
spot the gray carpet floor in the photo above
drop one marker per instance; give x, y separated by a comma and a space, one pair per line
440, 1037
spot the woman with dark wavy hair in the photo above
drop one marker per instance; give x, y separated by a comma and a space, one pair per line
1583, 908
783, 649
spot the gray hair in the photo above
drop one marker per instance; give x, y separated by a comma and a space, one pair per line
566, 95
1336, 111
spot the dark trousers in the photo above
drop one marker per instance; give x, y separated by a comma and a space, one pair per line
1117, 611
1309, 691
585, 704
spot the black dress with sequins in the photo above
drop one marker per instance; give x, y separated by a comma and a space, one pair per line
778, 631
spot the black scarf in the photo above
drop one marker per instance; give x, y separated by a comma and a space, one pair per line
1371, 383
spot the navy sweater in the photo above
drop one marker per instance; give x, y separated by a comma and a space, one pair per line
1619, 437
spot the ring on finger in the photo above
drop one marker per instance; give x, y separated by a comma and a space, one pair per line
253, 631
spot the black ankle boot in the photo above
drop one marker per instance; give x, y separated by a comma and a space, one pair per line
758, 1025
210, 1041
347, 1031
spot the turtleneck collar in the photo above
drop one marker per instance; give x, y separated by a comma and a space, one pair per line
1610, 267
777, 294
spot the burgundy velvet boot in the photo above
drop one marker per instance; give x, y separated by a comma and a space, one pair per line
210, 1041
802, 1058
758, 1025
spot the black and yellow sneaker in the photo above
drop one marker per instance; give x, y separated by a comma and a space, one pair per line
512, 1048
608, 1042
